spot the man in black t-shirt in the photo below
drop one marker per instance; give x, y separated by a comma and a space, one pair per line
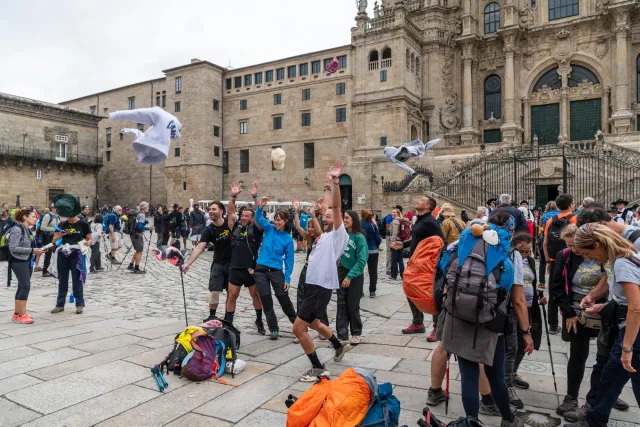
246, 238
175, 222
219, 234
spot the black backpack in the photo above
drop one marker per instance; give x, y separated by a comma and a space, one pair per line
5, 254
634, 236
131, 226
251, 240
230, 337
554, 243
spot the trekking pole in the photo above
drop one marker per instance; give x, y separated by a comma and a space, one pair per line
107, 253
184, 298
553, 370
124, 259
446, 392
148, 246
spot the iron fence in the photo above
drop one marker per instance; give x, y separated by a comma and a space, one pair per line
48, 155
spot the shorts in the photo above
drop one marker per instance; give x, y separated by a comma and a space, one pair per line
117, 244
219, 279
315, 303
137, 241
241, 276
196, 232
176, 234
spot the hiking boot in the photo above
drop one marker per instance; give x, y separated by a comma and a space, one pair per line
432, 336
130, 267
514, 399
274, 335
517, 422
25, 319
491, 409
621, 405
260, 327
578, 414
372, 294
313, 374
37, 269
138, 271
79, 310
568, 404
46, 274
355, 340
100, 269
435, 397
554, 330
57, 310
518, 382
339, 352
414, 329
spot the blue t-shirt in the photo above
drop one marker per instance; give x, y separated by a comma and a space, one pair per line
111, 219
388, 220
304, 218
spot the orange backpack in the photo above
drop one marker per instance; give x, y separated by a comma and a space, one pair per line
343, 402
419, 276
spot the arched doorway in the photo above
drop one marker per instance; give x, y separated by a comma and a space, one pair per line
345, 192
566, 104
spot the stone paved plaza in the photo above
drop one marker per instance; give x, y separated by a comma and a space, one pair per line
93, 369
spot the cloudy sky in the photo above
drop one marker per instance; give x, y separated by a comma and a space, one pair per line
60, 50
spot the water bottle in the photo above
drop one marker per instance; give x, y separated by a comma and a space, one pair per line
71, 299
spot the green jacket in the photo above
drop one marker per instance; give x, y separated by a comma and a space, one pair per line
355, 255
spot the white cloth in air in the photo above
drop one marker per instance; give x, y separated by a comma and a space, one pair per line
278, 156
152, 146
407, 151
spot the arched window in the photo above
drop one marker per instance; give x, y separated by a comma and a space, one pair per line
551, 79
414, 132
579, 74
386, 54
491, 18
492, 97
373, 56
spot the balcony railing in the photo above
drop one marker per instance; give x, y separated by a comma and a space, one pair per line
385, 63
373, 65
49, 155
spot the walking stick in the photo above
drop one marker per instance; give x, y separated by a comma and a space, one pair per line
184, 298
124, 259
446, 392
553, 369
148, 246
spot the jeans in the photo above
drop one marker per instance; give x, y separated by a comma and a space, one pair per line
96, 256
46, 239
606, 338
612, 381
22, 271
66, 265
578, 354
397, 263
372, 267
300, 294
266, 278
469, 378
418, 316
348, 314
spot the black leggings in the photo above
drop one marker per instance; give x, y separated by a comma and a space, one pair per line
372, 267
22, 271
266, 278
578, 354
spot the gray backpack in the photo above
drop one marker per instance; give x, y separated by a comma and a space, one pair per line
472, 295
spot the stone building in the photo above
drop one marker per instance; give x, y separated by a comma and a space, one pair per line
46, 150
516, 89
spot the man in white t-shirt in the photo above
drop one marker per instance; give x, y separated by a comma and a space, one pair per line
321, 280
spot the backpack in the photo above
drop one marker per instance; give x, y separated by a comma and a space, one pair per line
384, 410
251, 240
405, 230
131, 226
421, 274
554, 243
182, 347
340, 402
479, 279
230, 337
205, 360
105, 222
634, 236
5, 253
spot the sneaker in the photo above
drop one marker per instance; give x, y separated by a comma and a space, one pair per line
296, 340
138, 271
514, 399
14, 317
435, 397
339, 353
46, 274
432, 336
355, 340
79, 309
554, 330
372, 294
518, 382
57, 310
313, 374
260, 327
578, 414
274, 335
38, 269
490, 410
100, 269
621, 405
517, 422
414, 329
568, 404
25, 319
130, 267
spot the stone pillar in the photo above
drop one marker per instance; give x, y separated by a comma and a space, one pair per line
510, 130
468, 133
605, 110
468, 21
622, 117
526, 125
564, 71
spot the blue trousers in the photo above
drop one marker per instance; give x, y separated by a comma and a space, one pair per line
612, 381
66, 267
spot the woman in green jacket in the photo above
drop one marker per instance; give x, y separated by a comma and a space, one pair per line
351, 279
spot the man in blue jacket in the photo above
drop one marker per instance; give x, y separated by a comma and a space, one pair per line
505, 206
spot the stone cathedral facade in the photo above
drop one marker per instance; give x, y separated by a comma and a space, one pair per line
486, 76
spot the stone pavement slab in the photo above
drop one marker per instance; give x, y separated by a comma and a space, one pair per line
391, 351
110, 343
17, 353
79, 339
197, 420
370, 361
37, 337
17, 382
14, 415
51, 396
263, 418
37, 361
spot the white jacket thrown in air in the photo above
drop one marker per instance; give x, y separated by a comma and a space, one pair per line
407, 151
152, 146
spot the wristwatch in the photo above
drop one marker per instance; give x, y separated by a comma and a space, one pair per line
627, 351
527, 332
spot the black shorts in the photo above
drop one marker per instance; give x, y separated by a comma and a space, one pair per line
314, 305
137, 241
219, 279
241, 276
176, 234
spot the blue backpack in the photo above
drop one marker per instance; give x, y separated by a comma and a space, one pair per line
384, 410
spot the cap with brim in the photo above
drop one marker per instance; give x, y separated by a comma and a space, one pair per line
85, 207
620, 201
491, 200
67, 205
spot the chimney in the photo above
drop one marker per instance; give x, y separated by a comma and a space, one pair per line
194, 60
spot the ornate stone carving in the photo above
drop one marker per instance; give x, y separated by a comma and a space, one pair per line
449, 120
527, 17
586, 88
602, 6
602, 46
362, 7
563, 43
509, 43
545, 94
51, 132
622, 30
491, 122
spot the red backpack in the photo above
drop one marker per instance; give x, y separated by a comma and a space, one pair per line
405, 230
